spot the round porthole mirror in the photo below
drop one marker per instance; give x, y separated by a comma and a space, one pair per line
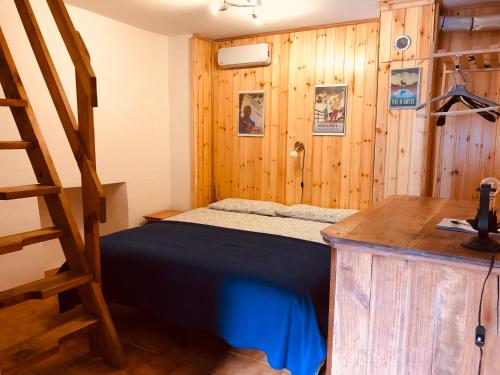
403, 42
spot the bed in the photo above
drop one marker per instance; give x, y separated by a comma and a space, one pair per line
257, 281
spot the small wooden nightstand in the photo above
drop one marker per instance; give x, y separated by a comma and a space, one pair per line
158, 216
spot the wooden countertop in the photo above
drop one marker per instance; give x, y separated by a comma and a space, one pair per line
407, 225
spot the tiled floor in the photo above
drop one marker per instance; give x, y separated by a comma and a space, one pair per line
151, 347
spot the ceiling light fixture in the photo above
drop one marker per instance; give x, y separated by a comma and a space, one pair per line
254, 4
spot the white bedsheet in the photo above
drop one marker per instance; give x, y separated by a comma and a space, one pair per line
301, 229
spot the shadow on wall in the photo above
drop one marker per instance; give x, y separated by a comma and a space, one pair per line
117, 218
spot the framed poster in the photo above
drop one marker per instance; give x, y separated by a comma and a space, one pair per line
251, 113
330, 103
405, 87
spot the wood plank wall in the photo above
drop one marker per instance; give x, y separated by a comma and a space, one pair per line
338, 170
467, 148
202, 106
400, 165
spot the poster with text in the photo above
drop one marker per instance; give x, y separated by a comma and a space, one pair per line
404, 90
251, 113
330, 103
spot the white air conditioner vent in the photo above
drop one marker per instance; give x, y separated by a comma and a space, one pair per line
244, 56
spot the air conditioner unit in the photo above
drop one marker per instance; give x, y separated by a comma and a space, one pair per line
244, 56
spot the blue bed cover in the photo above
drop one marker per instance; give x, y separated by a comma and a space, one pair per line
255, 290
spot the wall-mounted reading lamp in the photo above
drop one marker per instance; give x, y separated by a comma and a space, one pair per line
294, 154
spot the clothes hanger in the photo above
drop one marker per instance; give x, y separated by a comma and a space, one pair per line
487, 115
458, 94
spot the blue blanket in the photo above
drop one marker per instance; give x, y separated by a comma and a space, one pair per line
255, 290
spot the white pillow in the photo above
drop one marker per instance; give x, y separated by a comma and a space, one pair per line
247, 206
313, 213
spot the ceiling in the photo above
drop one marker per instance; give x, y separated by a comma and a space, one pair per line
178, 17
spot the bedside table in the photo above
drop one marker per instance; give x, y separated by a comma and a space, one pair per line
158, 216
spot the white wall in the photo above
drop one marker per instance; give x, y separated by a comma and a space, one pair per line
132, 121
180, 121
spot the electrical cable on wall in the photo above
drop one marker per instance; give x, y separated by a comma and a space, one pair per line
299, 146
480, 329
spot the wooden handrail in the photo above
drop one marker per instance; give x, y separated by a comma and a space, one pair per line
80, 134
76, 48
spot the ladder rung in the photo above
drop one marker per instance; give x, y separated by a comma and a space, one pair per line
13, 103
29, 352
16, 242
43, 288
27, 191
16, 145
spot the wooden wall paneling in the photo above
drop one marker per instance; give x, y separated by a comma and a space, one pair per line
358, 113
438, 140
353, 301
202, 62
369, 116
319, 157
386, 43
411, 27
425, 31
308, 116
496, 149
392, 142
325, 75
381, 132
301, 83
283, 91
466, 147
339, 144
345, 158
398, 28
337, 169
405, 136
419, 139
402, 140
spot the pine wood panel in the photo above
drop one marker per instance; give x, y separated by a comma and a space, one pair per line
418, 318
401, 142
338, 170
467, 147
201, 92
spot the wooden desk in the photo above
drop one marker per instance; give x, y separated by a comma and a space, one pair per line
406, 294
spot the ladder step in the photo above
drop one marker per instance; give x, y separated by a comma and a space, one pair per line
13, 103
27, 191
29, 352
16, 242
44, 288
16, 145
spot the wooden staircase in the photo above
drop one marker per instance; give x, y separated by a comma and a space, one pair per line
83, 257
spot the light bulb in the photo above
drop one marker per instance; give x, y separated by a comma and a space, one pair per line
294, 154
215, 7
495, 184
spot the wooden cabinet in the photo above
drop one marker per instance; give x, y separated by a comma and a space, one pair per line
158, 216
405, 296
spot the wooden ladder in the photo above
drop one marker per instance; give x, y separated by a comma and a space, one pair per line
83, 258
